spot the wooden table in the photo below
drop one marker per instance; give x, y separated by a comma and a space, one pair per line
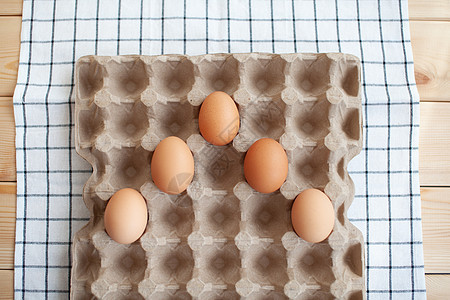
430, 35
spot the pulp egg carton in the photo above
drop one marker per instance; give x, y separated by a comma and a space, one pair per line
220, 239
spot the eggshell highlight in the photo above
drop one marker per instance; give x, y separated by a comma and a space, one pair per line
218, 119
312, 216
265, 165
126, 216
172, 166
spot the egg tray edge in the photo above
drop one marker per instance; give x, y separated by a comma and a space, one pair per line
124, 105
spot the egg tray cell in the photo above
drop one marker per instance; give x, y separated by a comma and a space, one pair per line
220, 239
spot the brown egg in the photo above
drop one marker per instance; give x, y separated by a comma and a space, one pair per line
265, 165
218, 119
312, 216
172, 165
126, 216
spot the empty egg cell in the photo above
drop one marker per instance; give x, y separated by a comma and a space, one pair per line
267, 215
346, 76
171, 216
97, 206
219, 74
127, 122
310, 75
309, 119
128, 262
312, 265
264, 78
99, 160
173, 119
171, 265
309, 167
262, 119
266, 265
219, 215
86, 268
218, 167
352, 259
128, 78
351, 126
348, 121
130, 167
218, 264
98, 182
173, 78
125, 269
90, 79
91, 124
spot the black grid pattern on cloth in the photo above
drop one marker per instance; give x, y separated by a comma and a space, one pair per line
50, 175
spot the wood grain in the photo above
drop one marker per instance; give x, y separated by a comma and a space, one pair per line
431, 49
6, 284
9, 53
438, 287
437, 10
7, 224
11, 8
7, 140
436, 229
434, 144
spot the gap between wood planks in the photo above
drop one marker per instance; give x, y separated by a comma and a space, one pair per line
425, 10
11, 8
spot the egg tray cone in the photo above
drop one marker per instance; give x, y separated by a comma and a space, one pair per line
220, 239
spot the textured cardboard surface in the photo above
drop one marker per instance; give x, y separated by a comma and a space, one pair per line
220, 239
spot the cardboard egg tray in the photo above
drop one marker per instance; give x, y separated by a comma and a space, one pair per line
220, 239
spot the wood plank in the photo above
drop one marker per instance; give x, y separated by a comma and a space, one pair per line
431, 49
438, 287
429, 10
434, 144
6, 284
9, 53
11, 8
7, 224
7, 140
436, 229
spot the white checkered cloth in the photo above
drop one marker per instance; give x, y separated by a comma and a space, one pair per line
50, 174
